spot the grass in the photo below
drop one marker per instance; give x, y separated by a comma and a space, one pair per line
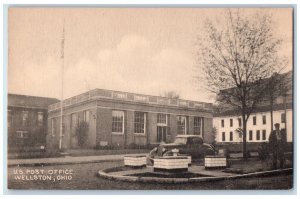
254, 165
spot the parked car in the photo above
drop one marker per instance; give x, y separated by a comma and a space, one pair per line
192, 145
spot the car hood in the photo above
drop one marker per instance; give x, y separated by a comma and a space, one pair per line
174, 145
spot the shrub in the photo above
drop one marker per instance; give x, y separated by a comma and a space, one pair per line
82, 133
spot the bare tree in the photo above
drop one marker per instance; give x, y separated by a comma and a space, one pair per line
235, 57
170, 94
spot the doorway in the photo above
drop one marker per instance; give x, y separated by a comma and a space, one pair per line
161, 134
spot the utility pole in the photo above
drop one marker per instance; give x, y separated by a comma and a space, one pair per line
62, 85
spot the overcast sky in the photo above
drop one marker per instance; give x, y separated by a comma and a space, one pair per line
146, 51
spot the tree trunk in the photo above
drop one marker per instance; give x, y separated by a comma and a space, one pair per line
285, 116
244, 136
271, 112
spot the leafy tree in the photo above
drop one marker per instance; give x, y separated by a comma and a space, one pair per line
234, 57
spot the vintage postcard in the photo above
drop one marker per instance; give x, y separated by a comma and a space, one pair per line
137, 98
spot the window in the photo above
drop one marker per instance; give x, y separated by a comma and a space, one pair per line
22, 134
250, 135
198, 121
223, 136
264, 119
24, 118
40, 118
86, 116
181, 125
162, 119
231, 122
282, 117
254, 120
9, 118
240, 122
197, 141
222, 123
231, 136
258, 135
117, 121
139, 122
264, 135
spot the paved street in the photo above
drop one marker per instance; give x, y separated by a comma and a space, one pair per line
84, 177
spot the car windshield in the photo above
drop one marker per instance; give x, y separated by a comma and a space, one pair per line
180, 140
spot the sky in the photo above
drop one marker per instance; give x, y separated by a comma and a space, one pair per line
139, 50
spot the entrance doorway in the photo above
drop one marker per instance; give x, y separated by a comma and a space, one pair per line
161, 134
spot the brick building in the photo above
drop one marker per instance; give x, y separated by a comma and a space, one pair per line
123, 119
27, 120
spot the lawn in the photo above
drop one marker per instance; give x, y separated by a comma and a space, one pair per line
240, 166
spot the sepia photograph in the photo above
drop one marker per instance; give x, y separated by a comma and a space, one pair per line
150, 98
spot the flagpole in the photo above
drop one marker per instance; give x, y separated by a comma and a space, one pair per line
62, 85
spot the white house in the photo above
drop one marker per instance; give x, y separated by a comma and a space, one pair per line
258, 126
227, 121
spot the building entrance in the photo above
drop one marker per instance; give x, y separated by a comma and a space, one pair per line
161, 133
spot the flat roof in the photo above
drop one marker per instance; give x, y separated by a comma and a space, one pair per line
119, 96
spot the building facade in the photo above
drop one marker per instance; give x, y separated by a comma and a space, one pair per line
228, 121
27, 120
258, 125
121, 119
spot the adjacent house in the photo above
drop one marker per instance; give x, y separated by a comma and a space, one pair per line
121, 119
27, 121
227, 121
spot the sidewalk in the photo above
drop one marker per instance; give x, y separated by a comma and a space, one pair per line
84, 159
76, 159
65, 160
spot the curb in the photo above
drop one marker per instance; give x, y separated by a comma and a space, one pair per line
104, 174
